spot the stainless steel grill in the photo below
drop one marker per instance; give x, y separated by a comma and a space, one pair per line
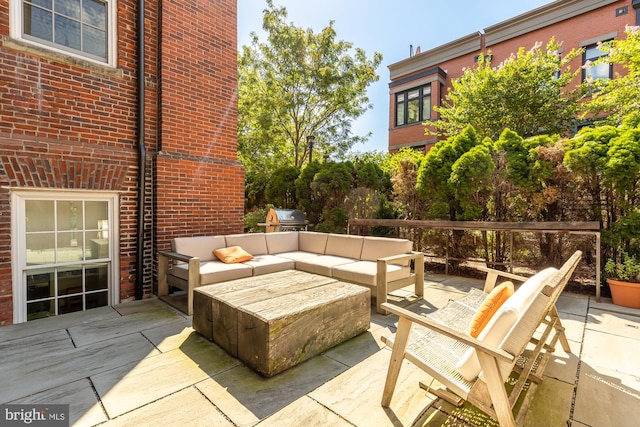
285, 220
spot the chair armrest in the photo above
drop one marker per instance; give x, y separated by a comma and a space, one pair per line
395, 259
493, 351
382, 285
176, 256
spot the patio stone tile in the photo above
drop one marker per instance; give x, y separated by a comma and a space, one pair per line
465, 415
573, 326
49, 324
84, 408
355, 394
563, 366
247, 397
606, 304
607, 351
456, 284
171, 335
434, 417
304, 412
358, 348
575, 423
435, 298
131, 386
614, 323
133, 323
187, 407
607, 398
551, 404
139, 306
21, 351
53, 369
573, 304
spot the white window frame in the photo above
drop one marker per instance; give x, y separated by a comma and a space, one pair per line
18, 247
15, 31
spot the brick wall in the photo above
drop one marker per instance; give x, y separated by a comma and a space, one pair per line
199, 185
71, 124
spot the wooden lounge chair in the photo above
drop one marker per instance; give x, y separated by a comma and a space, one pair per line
440, 342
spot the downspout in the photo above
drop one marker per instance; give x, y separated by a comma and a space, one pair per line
142, 156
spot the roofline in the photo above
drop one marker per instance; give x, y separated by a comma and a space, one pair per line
433, 57
540, 17
532, 20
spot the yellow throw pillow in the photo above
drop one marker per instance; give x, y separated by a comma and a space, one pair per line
489, 306
232, 254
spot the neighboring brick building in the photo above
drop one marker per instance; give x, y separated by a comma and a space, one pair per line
72, 133
420, 81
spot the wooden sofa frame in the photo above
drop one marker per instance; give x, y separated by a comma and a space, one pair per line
383, 285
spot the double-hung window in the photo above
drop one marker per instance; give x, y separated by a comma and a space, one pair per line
413, 105
64, 252
591, 71
83, 28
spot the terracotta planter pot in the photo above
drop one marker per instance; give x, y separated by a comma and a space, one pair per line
625, 294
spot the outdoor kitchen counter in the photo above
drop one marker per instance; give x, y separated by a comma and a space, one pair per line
275, 321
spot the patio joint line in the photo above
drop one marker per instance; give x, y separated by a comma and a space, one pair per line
329, 409
97, 395
220, 411
579, 365
73, 343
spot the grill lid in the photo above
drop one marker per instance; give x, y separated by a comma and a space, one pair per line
286, 217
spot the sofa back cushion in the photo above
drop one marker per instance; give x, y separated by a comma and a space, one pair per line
199, 246
253, 243
281, 242
309, 241
374, 248
343, 245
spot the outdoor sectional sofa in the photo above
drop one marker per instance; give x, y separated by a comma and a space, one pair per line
382, 264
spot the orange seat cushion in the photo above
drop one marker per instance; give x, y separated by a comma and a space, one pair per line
232, 254
489, 306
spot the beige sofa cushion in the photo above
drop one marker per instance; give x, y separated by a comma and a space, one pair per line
309, 241
364, 272
254, 243
374, 248
343, 245
284, 241
199, 246
297, 255
321, 264
215, 271
263, 264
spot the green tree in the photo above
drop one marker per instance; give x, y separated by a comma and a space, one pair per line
527, 93
618, 97
281, 188
332, 183
606, 163
305, 195
299, 93
446, 178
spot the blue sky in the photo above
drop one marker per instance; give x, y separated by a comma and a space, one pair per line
388, 27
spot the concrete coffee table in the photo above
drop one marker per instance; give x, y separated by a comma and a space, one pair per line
275, 321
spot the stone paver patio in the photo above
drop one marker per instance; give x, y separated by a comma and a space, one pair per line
140, 363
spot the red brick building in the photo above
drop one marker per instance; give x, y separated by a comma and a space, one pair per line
421, 81
106, 154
